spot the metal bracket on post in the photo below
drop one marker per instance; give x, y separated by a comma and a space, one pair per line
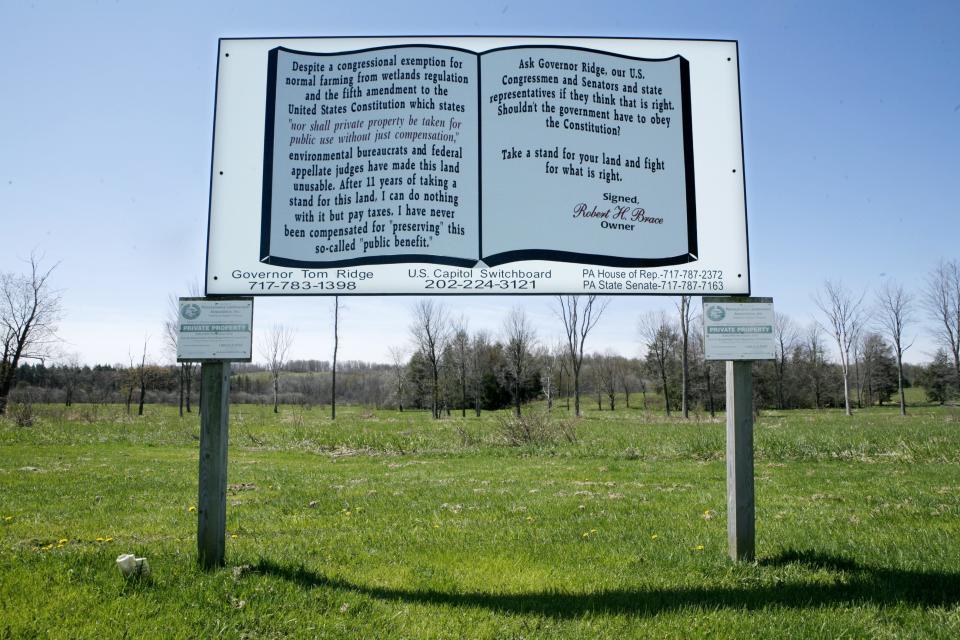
740, 501
212, 501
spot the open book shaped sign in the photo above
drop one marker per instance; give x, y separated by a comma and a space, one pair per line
457, 177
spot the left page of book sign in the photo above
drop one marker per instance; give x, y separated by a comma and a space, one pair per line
370, 157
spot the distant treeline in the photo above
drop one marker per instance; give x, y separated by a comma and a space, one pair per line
850, 353
474, 381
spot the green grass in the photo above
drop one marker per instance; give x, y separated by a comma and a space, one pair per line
388, 524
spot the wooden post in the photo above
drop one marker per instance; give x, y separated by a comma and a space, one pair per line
212, 501
740, 504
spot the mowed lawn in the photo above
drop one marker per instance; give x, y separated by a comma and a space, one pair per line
392, 525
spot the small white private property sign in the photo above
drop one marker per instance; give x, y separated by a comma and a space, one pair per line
215, 330
738, 328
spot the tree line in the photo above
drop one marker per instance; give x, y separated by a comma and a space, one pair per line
849, 354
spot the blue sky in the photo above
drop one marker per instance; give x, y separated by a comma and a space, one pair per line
851, 127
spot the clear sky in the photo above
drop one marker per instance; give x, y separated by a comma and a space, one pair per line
851, 126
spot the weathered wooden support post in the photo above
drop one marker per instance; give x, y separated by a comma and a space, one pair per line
212, 500
740, 501
214, 332
739, 330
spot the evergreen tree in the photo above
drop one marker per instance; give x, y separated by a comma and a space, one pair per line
937, 378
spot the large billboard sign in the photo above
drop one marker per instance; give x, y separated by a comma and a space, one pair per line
477, 165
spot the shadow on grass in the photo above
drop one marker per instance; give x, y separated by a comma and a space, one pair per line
856, 584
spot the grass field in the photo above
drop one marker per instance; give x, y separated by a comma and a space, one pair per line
391, 525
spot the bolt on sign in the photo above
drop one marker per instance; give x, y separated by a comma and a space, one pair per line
477, 165
738, 329
215, 330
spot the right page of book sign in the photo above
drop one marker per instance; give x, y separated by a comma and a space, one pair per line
587, 157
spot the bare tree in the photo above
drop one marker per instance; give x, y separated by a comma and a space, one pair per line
856, 342
579, 315
398, 358
142, 376
942, 301
844, 316
896, 312
562, 365
431, 333
448, 377
683, 309
813, 348
660, 337
460, 345
479, 366
786, 335
520, 339
610, 371
555, 364
548, 376
336, 346
29, 312
274, 347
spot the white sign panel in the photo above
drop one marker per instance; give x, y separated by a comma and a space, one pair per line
214, 330
477, 165
738, 329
